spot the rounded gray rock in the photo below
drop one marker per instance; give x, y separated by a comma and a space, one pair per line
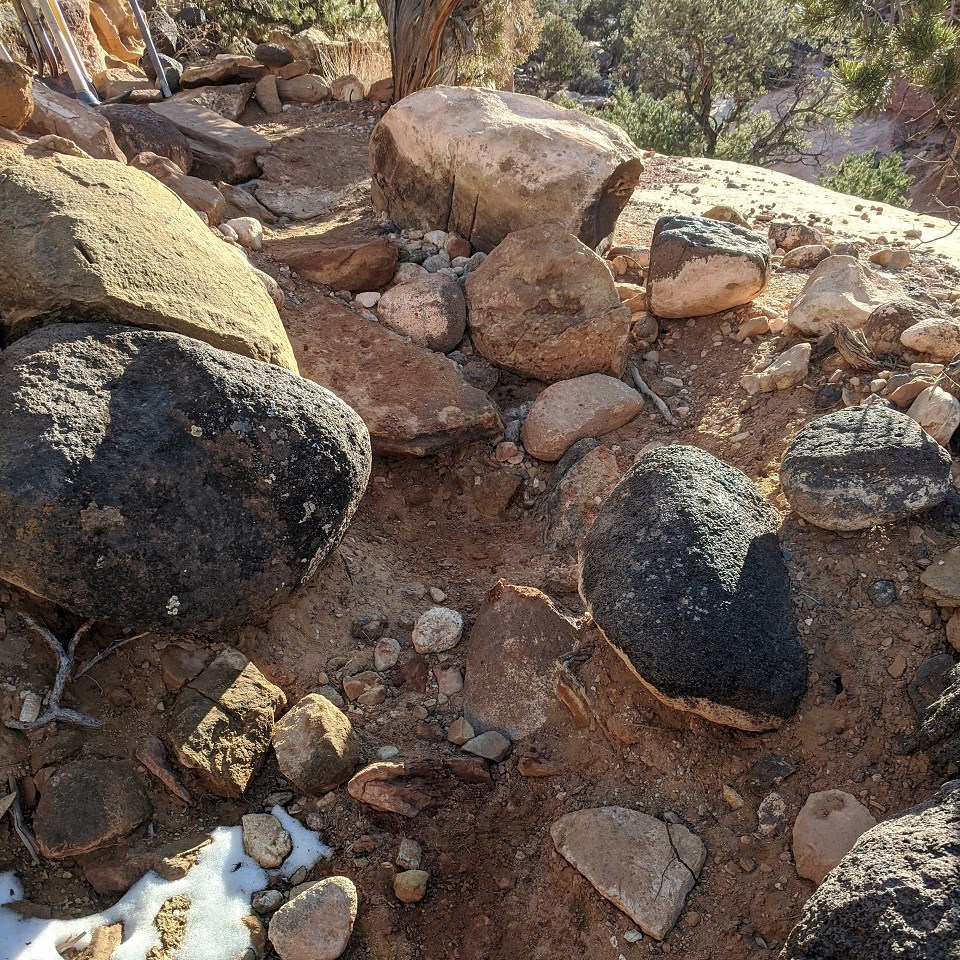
151, 481
683, 574
863, 466
430, 310
894, 895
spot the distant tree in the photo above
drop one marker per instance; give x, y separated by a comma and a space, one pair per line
870, 176
716, 59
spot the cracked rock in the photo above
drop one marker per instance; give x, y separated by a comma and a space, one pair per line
642, 865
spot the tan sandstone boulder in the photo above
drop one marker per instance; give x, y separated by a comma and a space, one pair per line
485, 163
16, 95
199, 195
75, 238
543, 305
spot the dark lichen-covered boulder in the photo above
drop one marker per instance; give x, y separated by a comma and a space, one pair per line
683, 574
700, 266
863, 466
154, 482
894, 896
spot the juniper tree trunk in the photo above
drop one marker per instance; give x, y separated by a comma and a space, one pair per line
417, 49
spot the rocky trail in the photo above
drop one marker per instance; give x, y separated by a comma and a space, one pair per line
553, 668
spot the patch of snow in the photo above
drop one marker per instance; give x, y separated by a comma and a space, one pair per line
307, 848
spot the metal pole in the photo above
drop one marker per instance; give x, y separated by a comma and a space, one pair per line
27, 32
71, 55
151, 49
28, 15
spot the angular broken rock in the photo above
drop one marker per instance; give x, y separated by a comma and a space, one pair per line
699, 266
785, 370
221, 723
315, 745
413, 401
428, 172
61, 116
490, 746
587, 406
640, 864
222, 149
186, 490
357, 267
153, 755
430, 310
683, 574
894, 895
941, 579
406, 787
544, 306
513, 655
841, 289
789, 236
86, 804
226, 100
863, 466
52, 209
316, 924
825, 830
265, 840
222, 69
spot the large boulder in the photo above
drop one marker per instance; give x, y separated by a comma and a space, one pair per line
894, 895
683, 574
199, 195
151, 481
138, 129
544, 306
16, 95
840, 290
863, 466
485, 163
700, 266
414, 402
78, 238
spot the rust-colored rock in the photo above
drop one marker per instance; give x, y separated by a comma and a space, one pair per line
407, 787
357, 267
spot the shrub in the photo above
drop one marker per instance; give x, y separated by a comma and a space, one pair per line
564, 53
870, 176
660, 125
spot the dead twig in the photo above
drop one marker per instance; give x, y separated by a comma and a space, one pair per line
853, 347
113, 648
19, 826
663, 409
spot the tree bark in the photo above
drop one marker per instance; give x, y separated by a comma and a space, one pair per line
416, 31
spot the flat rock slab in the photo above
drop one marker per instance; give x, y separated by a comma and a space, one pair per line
72, 243
863, 466
222, 149
87, 804
683, 574
150, 481
221, 722
544, 306
354, 267
485, 163
894, 895
700, 266
413, 401
58, 115
642, 865
513, 660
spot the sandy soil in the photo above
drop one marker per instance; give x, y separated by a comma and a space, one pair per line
498, 889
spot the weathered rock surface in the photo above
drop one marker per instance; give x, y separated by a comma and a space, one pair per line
71, 244
437, 630
863, 466
151, 481
315, 745
224, 68
840, 289
887, 322
690, 542
513, 660
640, 864
303, 89
222, 149
587, 406
221, 722
87, 804
356, 267
16, 95
138, 129
396, 786
413, 401
265, 840
58, 115
700, 266
316, 924
894, 895
428, 170
938, 337
806, 257
785, 370
430, 310
938, 412
199, 195
227, 100
789, 236
544, 306
825, 831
